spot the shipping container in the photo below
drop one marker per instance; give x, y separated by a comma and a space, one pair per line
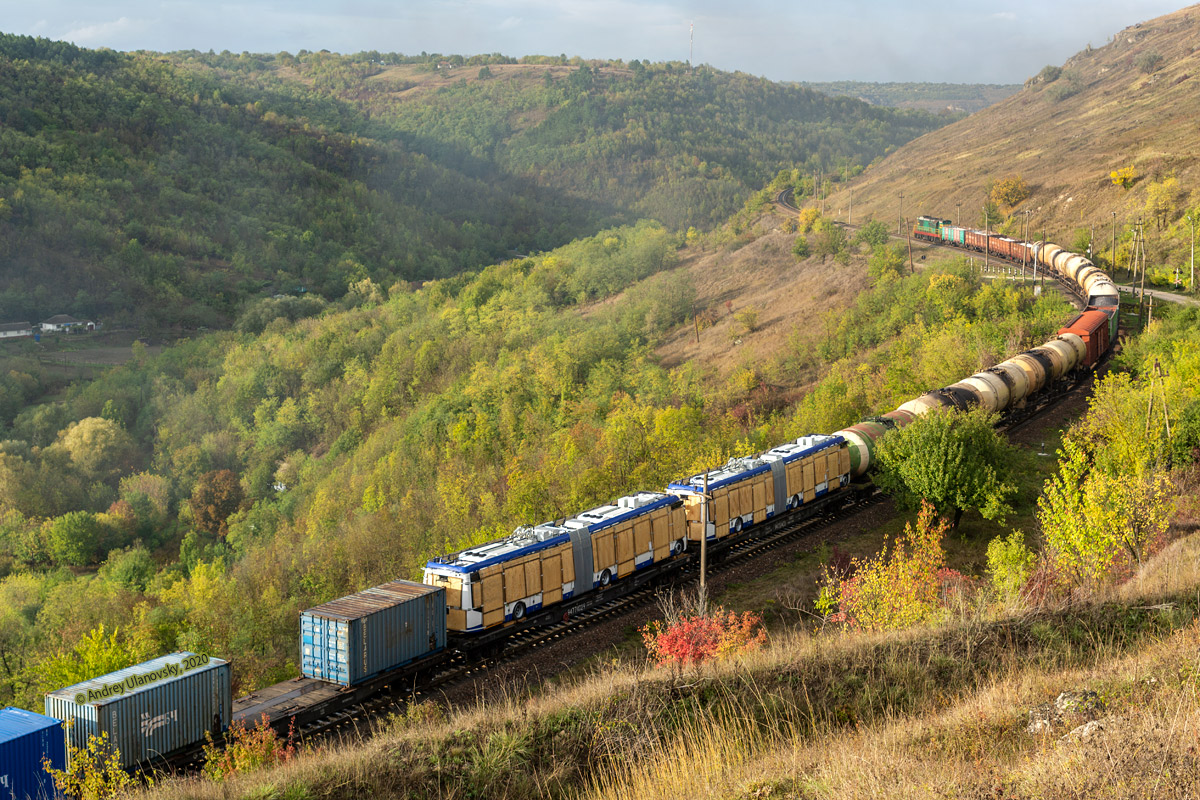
353, 638
26, 741
150, 710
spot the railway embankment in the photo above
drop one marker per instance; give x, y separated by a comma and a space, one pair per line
950, 708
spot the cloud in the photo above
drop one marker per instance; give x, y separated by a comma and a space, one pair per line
103, 33
510, 23
1007, 16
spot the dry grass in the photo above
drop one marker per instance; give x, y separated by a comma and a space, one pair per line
1065, 149
933, 712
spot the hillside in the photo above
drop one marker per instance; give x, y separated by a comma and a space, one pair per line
1129, 104
164, 191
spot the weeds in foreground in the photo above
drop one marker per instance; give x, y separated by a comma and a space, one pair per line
248, 749
94, 771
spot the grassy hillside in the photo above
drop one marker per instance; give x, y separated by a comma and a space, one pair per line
1129, 104
166, 191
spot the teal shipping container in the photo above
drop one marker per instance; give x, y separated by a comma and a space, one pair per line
353, 638
26, 741
151, 710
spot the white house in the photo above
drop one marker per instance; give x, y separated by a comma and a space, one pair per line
11, 330
65, 323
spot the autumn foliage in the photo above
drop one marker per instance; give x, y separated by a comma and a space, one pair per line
217, 495
698, 638
248, 749
908, 586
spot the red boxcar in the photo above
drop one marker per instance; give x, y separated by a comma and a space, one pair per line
975, 240
1092, 327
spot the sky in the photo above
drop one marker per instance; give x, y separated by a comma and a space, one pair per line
870, 40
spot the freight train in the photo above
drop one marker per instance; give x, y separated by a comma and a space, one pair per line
471, 601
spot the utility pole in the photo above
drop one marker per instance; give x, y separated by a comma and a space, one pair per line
704, 548
908, 235
1192, 282
900, 216
1114, 249
1025, 249
850, 215
958, 219
986, 235
1142, 252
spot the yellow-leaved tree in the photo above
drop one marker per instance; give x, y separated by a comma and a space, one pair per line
1099, 525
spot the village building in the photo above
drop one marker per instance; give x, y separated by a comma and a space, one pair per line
64, 323
12, 330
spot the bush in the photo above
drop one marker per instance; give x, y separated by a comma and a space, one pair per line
800, 248
698, 638
748, 319
248, 749
1010, 563
94, 773
1010, 191
874, 233
897, 589
1124, 177
1149, 61
1049, 74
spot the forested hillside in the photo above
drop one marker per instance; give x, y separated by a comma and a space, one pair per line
200, 499
166, 190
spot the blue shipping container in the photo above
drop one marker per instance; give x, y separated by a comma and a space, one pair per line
361, 635
26, 739
149, 710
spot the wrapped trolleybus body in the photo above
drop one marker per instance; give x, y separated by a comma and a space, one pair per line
504, 580
747, 491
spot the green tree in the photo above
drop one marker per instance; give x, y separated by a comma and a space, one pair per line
74, 538
97, 652
886, 259
874, 233
1099, 525
98, 447
954, 460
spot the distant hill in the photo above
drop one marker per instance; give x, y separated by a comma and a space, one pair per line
166, 190
1130, 105
951, 98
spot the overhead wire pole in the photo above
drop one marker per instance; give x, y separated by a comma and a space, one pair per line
1192, 282
900, 216
704, 548
1114, 246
